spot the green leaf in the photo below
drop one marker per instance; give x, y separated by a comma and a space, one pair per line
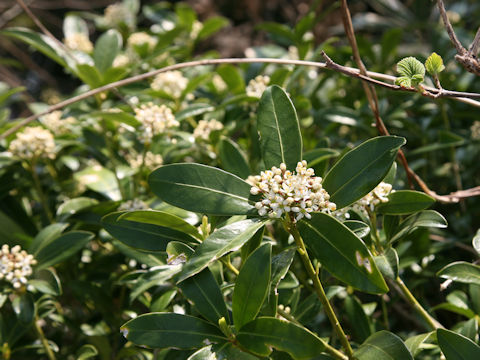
24, 307
415, 343
46, 235
260, 335
222, 241
141, 235
106, 49
359, 228
232, 77
153, 277
86, 352
203, 290
47, 282
165, 330
383, 345
162, 218
462, 272
99, 179
425, 218
193, 110
457, 347
89, 75
476, 241
403, 81
251, 286
72, 206
211, 26
40, 42
361, 169
202, 188
388, 263
233, 159
403, 202
117, 116
279, 130
61, 248
342, 253
434, 64
412, 69
360, 323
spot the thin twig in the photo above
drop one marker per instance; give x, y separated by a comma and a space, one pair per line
448, 26
473, 49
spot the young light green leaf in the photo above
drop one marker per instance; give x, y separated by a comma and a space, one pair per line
415, 343
263, 333
279, 130
203, 290
462, 272
403, 202
162, 330
86, 352
361, 169
457, 347
412, 69
251, 286
434, 64
342, 253
202, 189
383, 345
61, 248
222, 241
141, 235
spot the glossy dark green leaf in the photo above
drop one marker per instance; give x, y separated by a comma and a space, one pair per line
359, 228
203, 290
361, 169
72, 206
24, 308
141, 235
470, 329
162, 330
383, 345
342, 253
252, 244
202, 189
46, 235
279, 130
462, 272
106, 49
211, 26
87, 351
61, 248
47, 282
260, 335
162, 218
388, 263
403, 202
251, 286
457, 347
101, 180
415, 343
222, 241
280, 264
425, 218
233, 159
359, 321
316, 156
178, 252
118, 117
153, 277
40, 42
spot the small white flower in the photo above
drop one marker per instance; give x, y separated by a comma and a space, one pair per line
132, 205
140, 38
151, 160
78, 41
15, 265
155, 120
170, 82
277, 186
257, 86
33, 142
205, 127
56, 124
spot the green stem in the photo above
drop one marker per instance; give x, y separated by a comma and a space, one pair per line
38, 187
302, 251
434, 324
43, 339
229, 265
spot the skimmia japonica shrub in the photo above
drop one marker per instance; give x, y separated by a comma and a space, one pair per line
234, 212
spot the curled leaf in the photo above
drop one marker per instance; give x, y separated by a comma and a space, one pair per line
412, 69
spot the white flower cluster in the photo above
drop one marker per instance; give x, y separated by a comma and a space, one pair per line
257, 86
132, 205
121, 60
373, 198
151, 160
56, 124
15, 265
219, 84
155, 120
140, 38
205, 127
116, 14
170, 82
197, 26
33, 142
288, 192
78, 41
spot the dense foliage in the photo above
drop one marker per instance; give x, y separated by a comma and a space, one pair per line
241, 211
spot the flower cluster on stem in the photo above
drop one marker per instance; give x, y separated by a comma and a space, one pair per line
15, 265
155, 120
33, 142
285, 192
257, 86
170, 82
205, 127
